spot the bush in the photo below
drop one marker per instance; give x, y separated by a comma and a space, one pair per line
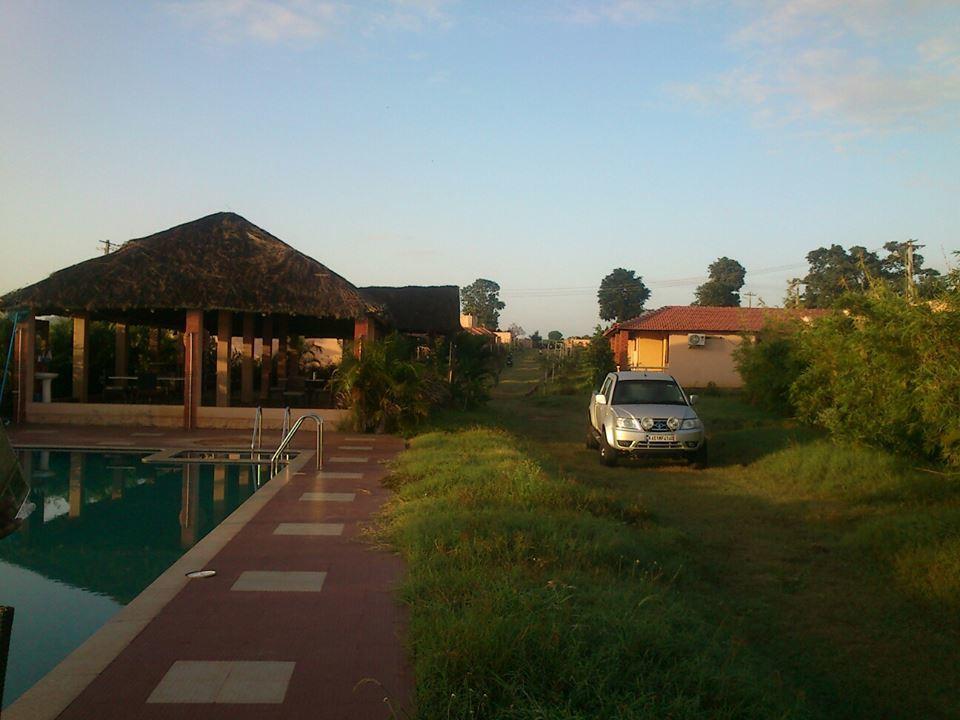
384, 389
770, 365
885, 372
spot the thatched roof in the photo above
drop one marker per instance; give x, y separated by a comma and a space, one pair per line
415, 309
219, 262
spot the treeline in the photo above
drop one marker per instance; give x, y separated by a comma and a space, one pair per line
883, 368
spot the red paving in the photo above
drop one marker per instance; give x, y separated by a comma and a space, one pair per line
346, 640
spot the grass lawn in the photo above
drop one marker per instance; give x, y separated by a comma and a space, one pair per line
794, 578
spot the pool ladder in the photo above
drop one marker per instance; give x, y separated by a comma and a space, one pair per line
288, 437
257, 440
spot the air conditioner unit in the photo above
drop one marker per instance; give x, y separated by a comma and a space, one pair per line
696, 339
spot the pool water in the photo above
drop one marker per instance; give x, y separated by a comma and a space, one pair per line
105, 526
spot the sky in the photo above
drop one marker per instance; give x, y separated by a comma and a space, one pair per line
539, 144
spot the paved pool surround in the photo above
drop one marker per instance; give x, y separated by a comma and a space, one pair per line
300, 621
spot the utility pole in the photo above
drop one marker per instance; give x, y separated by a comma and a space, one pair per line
107, 246
750, 296
908, 262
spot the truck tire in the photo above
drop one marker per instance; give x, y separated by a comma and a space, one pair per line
608, 455
591, 441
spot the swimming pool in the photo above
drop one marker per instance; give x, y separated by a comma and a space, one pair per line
106, 525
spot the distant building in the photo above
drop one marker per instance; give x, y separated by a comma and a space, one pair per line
694, 344
576, 341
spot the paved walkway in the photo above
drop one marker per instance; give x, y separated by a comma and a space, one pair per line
300, 621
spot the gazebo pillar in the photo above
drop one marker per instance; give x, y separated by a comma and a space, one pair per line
266, 356
364, 331
81, 357
120, 366
283, 332
192, 367
224, 341
25, 349
246, 367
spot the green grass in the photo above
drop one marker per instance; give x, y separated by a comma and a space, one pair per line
794, 578
542, 597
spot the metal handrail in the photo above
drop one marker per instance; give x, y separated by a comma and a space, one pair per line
286, 422
257, 440
275, 458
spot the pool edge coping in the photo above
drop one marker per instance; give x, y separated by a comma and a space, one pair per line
54, 692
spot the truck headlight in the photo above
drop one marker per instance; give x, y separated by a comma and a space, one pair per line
673, 423
646, 423
691, 424
627, 423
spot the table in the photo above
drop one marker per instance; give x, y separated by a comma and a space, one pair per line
47, 379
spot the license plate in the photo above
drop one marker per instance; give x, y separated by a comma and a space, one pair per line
661, 438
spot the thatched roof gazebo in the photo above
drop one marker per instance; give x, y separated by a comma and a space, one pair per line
220, 272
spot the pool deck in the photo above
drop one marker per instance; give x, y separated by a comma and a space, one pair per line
301, 619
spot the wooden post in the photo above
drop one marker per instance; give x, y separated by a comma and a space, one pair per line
24, 366
283, 332
363, 331
224, 341
246, 367
120, 366
266, 357
81, 357
192, 367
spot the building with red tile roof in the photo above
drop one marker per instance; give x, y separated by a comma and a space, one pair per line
695, 344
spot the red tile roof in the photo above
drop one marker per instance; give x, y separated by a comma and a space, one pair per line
693, 318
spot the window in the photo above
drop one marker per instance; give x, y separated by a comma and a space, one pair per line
648, 392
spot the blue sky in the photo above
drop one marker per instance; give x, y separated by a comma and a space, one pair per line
539, 144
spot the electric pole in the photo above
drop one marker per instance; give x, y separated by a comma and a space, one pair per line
750, 296
908, 262
107, 246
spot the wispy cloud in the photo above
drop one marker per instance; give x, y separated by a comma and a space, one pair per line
851, 67
279, 21
621, 12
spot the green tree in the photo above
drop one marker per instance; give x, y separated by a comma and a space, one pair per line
599, 357
554, 336
834, 271
622, 295
536, 339
482, 300
723, 286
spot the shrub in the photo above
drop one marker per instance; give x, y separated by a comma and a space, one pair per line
384, 389
770, 365
885, 372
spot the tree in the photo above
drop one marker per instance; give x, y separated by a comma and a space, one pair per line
482, 300
622, 295
723, 286
599, 357
835, 271
516, 330
535, 339
554, 336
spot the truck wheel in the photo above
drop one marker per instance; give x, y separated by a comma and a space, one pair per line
608, 456
591, 441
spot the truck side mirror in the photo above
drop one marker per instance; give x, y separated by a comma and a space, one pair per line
600, 399
693, 400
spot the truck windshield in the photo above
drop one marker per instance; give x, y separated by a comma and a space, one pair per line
647, 392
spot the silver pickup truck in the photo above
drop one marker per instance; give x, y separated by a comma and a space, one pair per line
644, 413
